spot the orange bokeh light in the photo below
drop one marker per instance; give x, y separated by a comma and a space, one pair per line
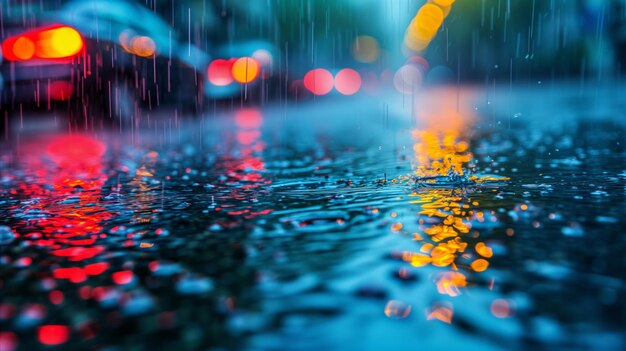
480, 265
24, 48
484, 250
59, 42
143, 46
54, 42
245, 70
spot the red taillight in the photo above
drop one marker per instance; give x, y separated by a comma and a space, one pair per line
49, 43
242, 70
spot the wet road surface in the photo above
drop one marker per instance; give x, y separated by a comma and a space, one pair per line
462, 219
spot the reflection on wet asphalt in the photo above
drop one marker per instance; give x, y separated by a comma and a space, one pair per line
299, 228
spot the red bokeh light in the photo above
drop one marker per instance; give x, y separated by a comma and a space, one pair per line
56, 297
8, 341
123, 277
319, 81
348, 81
53, 334
220, 72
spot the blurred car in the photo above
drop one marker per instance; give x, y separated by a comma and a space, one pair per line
111, 58
105, 56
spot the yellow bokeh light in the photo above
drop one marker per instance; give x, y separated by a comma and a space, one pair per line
59, 42
443, 3
365, 49
245, 70
426, 23
428, 20
66, 41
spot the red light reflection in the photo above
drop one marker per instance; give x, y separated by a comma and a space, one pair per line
68, 192
244, 166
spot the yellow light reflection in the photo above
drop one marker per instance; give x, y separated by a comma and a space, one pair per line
445, 239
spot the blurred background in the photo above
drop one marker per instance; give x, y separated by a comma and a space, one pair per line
535, 39
512, 41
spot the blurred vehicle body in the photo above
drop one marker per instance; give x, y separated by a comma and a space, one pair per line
123, 57
126, 55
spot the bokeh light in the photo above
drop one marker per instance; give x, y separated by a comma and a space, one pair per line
220, 72
245, 70
443, 3
8, 341
408, 79
319, 81
425, 25
143, 46
139, 45
53, 334
54, 42
24, 48
59, 42
365, 49
480, 265
348, 81
263, 57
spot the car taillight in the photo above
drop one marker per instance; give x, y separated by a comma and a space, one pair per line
49, 43
243, 70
